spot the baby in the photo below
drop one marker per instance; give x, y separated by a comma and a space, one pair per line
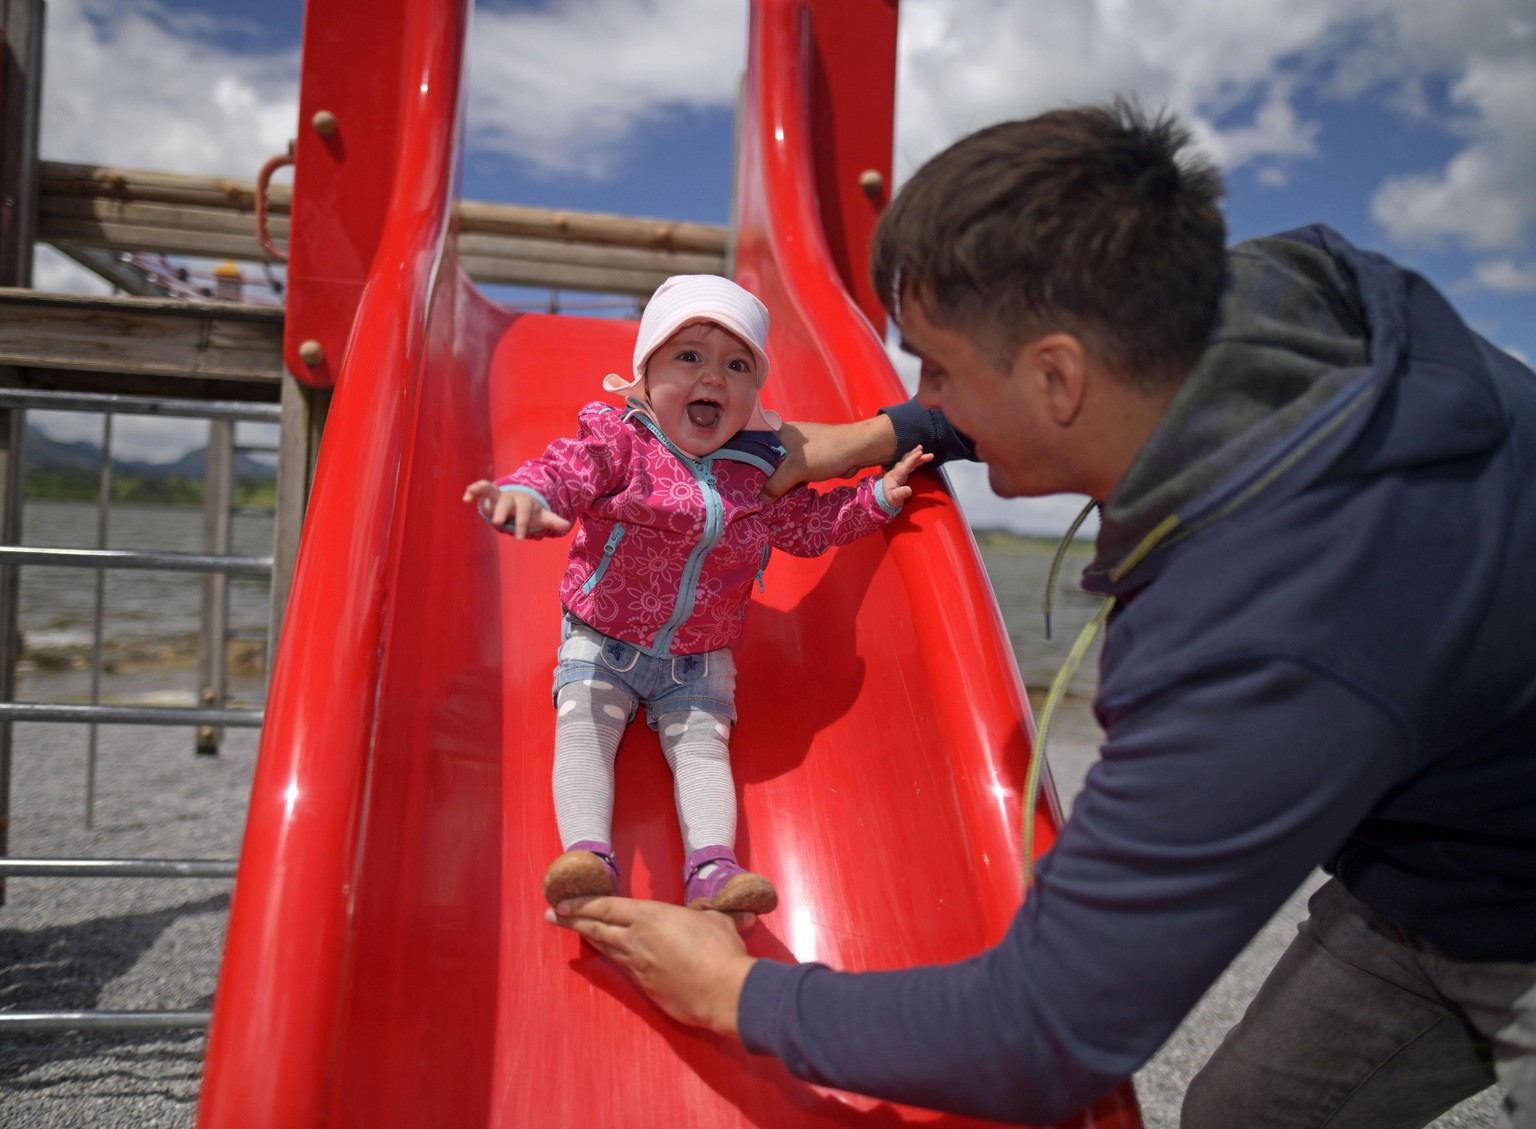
672, 536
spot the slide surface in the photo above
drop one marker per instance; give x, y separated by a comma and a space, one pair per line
387, 962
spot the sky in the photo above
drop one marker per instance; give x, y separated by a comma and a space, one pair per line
1405, 124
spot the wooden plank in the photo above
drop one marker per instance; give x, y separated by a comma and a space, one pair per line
147, 336
159, 385
303, 421
559, 276
136, 186
59, 178
21, 76
226, 221
589, 227
21, 84
521, 250
127, 277
167, 240
487, 258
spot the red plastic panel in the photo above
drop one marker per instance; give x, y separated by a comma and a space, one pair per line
372, 828
849, 84
387, 962
353, 68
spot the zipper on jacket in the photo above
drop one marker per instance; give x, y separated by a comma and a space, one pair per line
602, 566
714, 523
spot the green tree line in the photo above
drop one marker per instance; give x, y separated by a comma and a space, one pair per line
73, 484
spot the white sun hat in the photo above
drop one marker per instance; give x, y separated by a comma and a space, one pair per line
686, 298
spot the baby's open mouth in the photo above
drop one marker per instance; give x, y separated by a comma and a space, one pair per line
704, 413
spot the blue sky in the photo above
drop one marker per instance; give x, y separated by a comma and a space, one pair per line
1406, 124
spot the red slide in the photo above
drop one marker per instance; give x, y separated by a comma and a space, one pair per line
387, 961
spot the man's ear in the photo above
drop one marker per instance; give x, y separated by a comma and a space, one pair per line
1058, 365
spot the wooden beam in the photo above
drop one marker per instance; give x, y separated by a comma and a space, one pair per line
304, 413
589, 227
144, 384
61, 178
133, 210
169, 228
127, 277
163, 337
21, 86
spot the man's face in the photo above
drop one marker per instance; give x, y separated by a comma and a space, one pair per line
996, 408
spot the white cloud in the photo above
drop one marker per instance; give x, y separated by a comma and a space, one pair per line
1241, 75
563, 88
1482, 197
128, 82
1505, 276
54, 272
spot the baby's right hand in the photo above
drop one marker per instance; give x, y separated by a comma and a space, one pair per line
895, 484
513, 510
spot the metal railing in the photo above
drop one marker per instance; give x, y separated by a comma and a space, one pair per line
94, 1020
217, 565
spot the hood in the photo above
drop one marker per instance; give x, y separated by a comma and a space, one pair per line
1324, 360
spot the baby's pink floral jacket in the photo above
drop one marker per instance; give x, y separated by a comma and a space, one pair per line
668, 546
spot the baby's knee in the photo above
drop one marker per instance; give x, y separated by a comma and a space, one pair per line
700, 732
594, 698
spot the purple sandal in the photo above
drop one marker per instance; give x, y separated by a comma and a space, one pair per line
728, 888
586, 870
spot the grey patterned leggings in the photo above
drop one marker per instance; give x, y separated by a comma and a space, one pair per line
591, 718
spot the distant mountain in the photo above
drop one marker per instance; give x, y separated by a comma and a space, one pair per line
44, 453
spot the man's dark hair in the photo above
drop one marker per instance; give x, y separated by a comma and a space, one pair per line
1084, 220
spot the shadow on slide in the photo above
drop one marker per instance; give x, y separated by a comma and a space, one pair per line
387, 961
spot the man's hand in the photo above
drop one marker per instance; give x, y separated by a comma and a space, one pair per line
521, 508
830, 450
691, 962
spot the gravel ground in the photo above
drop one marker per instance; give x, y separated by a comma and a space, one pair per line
121, 944
149, 943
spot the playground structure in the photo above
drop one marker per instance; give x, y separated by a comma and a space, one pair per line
387, 962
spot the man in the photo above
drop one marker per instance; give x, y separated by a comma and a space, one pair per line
1318, 533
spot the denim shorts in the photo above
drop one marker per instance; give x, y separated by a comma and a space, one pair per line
663, 685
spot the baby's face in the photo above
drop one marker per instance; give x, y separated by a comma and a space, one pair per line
702, 387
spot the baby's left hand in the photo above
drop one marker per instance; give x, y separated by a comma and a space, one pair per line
895, 481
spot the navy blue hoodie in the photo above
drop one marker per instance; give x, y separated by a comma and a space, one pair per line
1323, 652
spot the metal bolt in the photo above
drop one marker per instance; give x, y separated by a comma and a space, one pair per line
325, 123
311, 352
871, 181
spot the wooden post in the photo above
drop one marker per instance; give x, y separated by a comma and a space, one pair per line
303, 419
21, 73
213, 636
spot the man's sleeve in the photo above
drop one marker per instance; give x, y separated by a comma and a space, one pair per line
1211, 804
916, 425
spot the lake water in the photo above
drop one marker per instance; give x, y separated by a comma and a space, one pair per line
154, 615
158, 607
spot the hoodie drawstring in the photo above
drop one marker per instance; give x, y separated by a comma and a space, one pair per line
1048, 601
1069, 667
